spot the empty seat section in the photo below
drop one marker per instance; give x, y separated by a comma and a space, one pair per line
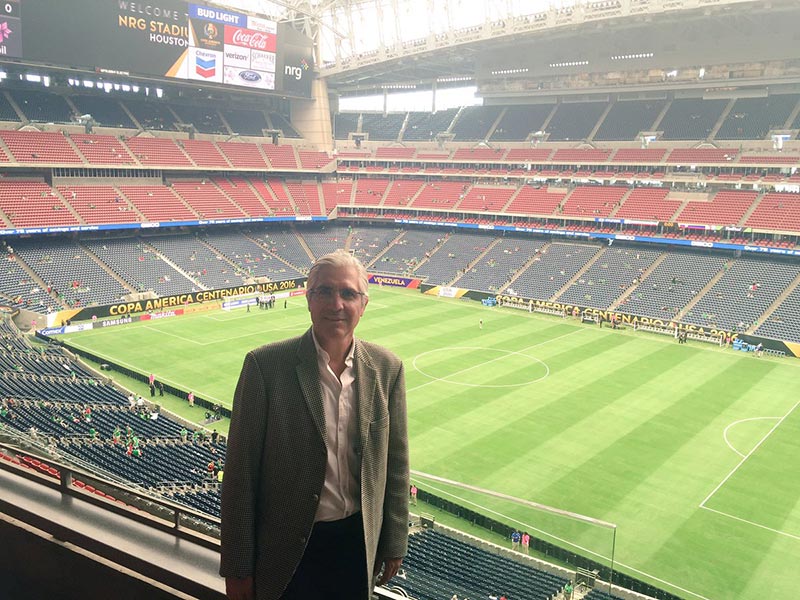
345, 124
158, 152
518, 122
648, 204
475, 122
627, 118
727, 207
99, 204
422, 126
140, 266
244, 121
753, 118
485, 198
776, 211
313, 159
106, 111
157, 203
336, 193
244, 155
33, 204
440, 195
151, 114
609, 277
535, 200
274, 192
204, 153
551, 270
370, 191
323, 241
380, 127
240, 191
42, 107
305, 196
205, 119
40, 147
575, 121
280, 157
207, 200
593, 201
70, 272
102, 149
279, 121
691, 118
402, 192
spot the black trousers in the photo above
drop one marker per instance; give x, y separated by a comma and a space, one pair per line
334, 564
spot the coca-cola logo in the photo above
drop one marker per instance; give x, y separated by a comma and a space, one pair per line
249, 38
255, 39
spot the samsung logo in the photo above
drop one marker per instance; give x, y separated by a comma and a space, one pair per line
250, 76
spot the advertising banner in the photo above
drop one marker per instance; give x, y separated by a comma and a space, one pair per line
165, 38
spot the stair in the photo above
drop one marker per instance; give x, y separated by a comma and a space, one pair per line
580, 273
704, 291
772, 307
616, 304
521, 270
477, 260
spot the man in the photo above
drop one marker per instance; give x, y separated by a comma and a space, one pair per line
315, 498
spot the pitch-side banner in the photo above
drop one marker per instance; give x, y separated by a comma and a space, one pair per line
168, 303
393, 281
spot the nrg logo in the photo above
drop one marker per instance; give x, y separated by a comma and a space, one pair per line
296, 71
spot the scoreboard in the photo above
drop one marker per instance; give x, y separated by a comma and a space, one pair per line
172, 39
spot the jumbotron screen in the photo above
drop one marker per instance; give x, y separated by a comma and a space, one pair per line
170, 38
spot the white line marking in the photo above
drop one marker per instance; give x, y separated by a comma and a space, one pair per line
587, 550
725, 433
422, 385
180, 337
748, 455
482, 364
734, 517
137, 369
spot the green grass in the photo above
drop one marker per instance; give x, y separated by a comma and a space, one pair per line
691, 450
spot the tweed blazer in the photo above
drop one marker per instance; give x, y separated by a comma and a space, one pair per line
276, 458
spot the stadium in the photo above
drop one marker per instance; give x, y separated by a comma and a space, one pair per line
581, 222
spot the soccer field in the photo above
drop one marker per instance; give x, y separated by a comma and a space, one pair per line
692, 450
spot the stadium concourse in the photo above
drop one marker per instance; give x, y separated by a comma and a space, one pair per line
610, 175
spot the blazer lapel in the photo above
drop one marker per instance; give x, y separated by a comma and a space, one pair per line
365, 389
308, 377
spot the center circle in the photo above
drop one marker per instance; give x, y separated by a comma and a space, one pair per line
478, 365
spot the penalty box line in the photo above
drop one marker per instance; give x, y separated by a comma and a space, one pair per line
744, 460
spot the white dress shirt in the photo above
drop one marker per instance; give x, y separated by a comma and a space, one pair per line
341, 492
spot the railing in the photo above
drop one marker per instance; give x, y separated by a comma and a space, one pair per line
131, 501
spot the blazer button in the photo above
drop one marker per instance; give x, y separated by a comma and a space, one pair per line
302, 539
315, 497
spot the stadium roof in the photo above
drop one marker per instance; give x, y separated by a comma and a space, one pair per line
374, 44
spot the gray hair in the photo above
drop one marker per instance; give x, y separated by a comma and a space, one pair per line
339, 259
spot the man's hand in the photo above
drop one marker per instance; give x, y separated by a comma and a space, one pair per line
240, 588
390, 567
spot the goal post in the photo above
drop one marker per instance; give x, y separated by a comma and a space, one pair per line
241, 301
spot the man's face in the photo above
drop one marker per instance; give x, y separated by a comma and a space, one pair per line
336, 304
